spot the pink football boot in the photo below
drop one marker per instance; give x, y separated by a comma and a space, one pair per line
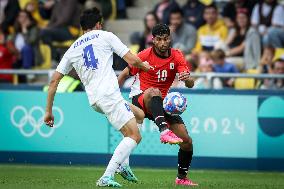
185, 182
167, 136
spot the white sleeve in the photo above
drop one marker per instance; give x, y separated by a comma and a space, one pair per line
118, 47
64, 66
278, 18
255, 16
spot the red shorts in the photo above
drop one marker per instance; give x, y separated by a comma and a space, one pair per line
141, 103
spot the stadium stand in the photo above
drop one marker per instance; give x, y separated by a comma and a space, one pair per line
124, 17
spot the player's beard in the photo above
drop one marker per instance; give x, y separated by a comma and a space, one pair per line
163, 49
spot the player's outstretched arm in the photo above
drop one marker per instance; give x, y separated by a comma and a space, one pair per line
48, 118
185, 76
122, 76
136, 61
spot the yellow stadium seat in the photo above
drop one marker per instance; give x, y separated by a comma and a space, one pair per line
23, 3
64, 44
134, 48
46, 55
279, 52
113, 10
246, 83
206, 2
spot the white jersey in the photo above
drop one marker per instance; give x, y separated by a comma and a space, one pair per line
92, 57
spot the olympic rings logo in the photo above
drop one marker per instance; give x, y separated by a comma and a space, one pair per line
36, 122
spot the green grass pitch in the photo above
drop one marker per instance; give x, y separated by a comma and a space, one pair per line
77, 177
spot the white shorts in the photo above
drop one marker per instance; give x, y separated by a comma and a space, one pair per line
116, 110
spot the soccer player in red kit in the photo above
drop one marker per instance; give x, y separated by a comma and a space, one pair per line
150, 88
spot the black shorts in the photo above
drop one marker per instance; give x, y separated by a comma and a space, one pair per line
138, 101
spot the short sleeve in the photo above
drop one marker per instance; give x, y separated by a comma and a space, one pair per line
182, 65
64, 66
255, 16
118, 47
277, 18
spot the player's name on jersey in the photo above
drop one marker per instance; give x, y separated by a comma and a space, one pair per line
84, 40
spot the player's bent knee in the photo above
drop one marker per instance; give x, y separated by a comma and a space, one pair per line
149, 93
136, 136
155, 92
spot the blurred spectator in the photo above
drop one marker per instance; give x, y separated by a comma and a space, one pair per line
275, 34
271, 24
26, 41
245, 42
252, 52
193, 13
265, 14
229, 11
275, 37
3, 4
206, 66
277, 68
11, 11
33, 8
204, 55
45, 8
146, 40
121, 9
163, 9
82, 2
221, 66
236, 44
213, 32
183, 34
6, 58
267, 60
91, 4
64, 23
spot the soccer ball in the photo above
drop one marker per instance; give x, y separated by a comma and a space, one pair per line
174, 103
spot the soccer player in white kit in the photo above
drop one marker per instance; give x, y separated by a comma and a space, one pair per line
92, 57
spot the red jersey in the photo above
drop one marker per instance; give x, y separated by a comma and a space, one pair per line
163, 75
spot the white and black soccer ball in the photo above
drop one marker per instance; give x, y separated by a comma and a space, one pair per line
174, 103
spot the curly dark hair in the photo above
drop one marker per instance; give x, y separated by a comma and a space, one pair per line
160, 29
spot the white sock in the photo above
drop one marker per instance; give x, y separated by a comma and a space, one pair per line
121, 152
126, 161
